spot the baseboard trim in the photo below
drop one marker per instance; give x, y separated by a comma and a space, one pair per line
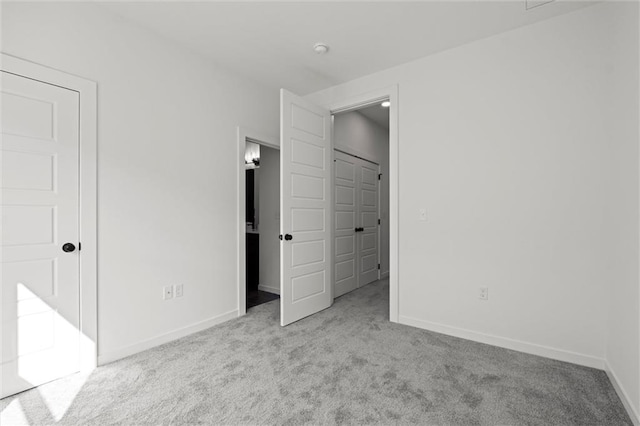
384, 275
503, 342
126, 351
269, 289
624, 396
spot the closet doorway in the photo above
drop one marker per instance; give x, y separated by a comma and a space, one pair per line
361, 197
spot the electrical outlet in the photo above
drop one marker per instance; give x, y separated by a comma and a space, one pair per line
483, 293
167, 292
179, 290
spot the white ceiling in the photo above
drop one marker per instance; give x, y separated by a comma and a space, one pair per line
377, 114
272, 41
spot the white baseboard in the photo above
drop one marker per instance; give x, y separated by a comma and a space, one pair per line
503, 342
126, 351
269, 289
624, 396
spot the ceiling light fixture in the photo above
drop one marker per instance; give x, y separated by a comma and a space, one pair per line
385, 104
321, 48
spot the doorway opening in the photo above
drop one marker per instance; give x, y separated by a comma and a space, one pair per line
259, 219
307, 202
361, 196
262, 218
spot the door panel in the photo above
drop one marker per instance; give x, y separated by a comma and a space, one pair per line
308, 253
305, 158
368, 209
40, 282
307, 154
356, 206
346, 275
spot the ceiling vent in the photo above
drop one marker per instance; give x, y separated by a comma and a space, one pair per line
532, 4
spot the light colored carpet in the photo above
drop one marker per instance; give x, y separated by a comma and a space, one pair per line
345, 365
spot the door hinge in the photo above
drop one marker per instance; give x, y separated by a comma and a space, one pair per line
378, 266
378, 221
379, 176
79, 246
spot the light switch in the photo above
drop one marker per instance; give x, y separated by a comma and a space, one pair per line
422, 215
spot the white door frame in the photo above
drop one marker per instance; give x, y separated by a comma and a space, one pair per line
87, 91
357, 102
245, 134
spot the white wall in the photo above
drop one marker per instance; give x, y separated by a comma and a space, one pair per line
356, 134
269, 219
166, 166
505, 142
524, 149
623, 328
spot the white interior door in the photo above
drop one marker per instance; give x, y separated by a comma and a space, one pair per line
356, 235
40, 281
346, 210
368, 222
305, 197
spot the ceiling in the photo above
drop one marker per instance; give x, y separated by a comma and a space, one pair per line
272, 42
377, 114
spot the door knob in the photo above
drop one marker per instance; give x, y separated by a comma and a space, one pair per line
68, 247
288, 237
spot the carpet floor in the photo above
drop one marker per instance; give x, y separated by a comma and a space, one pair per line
345, 365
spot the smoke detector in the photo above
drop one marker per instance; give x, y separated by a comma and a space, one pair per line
321, 48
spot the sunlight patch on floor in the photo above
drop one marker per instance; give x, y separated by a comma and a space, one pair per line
13, 414
59, 399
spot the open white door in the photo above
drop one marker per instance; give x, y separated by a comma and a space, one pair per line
305, 206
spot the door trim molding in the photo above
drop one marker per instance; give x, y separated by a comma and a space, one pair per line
357, 102
88, 194
254, 136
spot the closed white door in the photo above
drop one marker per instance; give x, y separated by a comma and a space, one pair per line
40, 281
346, 208
305, 197
356, 223
368, 223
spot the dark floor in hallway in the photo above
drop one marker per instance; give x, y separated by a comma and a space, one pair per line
258, 297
